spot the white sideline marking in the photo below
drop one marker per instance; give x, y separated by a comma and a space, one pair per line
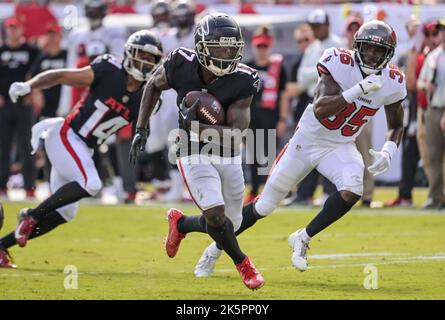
351, 255
396, 260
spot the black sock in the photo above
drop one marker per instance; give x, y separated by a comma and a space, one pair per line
48, 223
69, 193
7, 241
226, 238
334, 208
250, 217
195, 223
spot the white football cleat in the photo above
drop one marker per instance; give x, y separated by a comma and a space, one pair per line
206, 263
299, 250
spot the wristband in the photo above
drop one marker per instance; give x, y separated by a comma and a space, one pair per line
390, 147
352, 94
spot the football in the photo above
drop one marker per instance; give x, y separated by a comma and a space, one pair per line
209, 110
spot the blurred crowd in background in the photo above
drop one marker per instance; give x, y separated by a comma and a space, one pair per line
33, 40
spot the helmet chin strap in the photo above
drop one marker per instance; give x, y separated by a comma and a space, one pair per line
369, 71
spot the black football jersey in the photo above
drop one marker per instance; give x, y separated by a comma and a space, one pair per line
183, 75
108, 106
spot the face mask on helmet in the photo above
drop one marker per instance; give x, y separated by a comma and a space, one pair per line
372, 57
221, 57
140, 61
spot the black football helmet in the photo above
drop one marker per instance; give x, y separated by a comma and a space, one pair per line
183, 15
139, 42
160, 12
218, 43
375, 33
95, 11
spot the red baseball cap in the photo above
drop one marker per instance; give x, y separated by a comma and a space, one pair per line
13, 22
264, 40
53, 27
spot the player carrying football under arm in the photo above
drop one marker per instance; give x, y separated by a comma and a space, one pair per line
115, 92
352, 86
215, 184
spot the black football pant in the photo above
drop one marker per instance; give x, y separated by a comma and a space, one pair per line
410, 160
16, 121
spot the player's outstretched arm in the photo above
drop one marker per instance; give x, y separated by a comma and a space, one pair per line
71, 77
82, 77
152, 91
330, 99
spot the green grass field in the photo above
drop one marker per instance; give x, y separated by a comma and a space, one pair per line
119, 254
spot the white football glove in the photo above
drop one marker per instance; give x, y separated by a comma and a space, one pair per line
371, 84
382, 161
18, 89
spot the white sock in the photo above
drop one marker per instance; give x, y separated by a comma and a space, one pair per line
214, 250
304, 235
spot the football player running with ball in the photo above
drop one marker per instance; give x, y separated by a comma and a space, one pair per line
353, 85
115, 92
215, 179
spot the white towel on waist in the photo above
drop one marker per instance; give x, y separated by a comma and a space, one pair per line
40, 128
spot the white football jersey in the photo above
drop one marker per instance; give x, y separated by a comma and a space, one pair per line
348, 123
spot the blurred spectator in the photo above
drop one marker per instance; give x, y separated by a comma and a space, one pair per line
160, 13
95, 32
113, 37
35, 16
269, 106
304, 36
432, 79
51, 57
182, 16
307, 78
16, 119
414, 135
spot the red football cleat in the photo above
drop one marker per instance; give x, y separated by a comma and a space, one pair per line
6, 259
400, 202
24, 228
249, 274
174, 238
249, 198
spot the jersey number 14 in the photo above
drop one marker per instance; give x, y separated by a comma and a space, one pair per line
101, 130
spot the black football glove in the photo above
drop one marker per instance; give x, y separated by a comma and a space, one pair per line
138, 144
187, 115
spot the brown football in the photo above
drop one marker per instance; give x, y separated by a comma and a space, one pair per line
209, 110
